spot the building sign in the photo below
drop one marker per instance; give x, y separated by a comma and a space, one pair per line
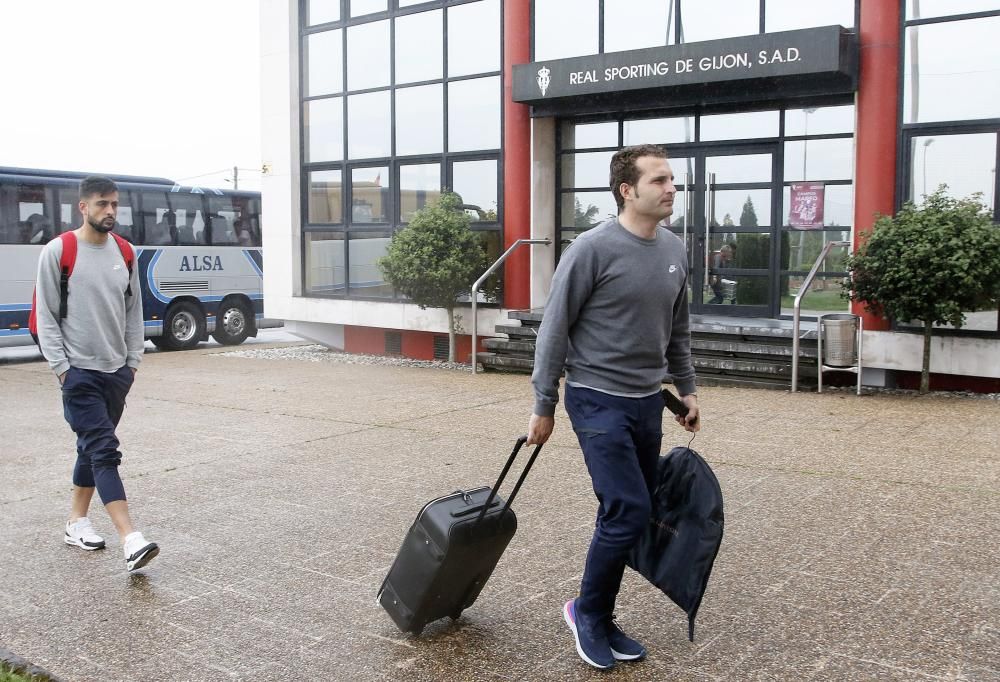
806, 206
806, 52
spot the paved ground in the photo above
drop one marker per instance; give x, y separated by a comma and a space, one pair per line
861, 533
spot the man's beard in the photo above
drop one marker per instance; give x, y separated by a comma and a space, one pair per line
100, 226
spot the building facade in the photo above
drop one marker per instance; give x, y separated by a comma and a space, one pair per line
789, 125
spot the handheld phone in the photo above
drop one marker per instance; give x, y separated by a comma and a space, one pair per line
674, 404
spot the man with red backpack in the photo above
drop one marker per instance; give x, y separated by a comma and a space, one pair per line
88, 316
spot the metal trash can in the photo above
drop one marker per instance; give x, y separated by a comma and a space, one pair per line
840, 340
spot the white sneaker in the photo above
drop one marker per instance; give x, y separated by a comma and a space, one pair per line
81, 534
138, 551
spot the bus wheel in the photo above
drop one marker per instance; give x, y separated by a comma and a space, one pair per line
183, 327
232, 323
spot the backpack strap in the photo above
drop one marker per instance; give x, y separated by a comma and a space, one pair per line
66, 263
128, 253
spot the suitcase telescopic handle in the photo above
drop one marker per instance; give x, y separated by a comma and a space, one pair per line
503, 474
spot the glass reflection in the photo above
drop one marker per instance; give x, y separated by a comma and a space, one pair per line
419, 184
729, 289
588, 135
838, 206
712, 19
740, 126
738, 168
738, 208
819, 121
420, 120
324, 263
325, 63
323, 11
926, 9
363, 251
822, 297
324, 129
800, 249
787, 15
660, 130
474, 38
368, 125
559, 33
368, 55
587, 209
819, 159
418, 47
362, 7
474, 114
371, 195
591, 169
965, 163
623, 32
325, 197
956, 72
476, 183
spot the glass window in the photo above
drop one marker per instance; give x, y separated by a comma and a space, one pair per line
476, 183
371, 195
223, 216
408, 3
587, 135
362, 7
35, 221
323, 11
739, 208
801, 248
474, 38
560, 32
368, 55
418, 47
819, 159
69, 208
739, 126
965, 163
591, 169
819, 121
326, 197
712, 19
955, 74
586, 209
324, 129
837, 208
324, 263
925, 9
623, 32
739, 168
822, 297
324, 63
420, 120
363, 251
660, 130
158, 220
189, 217
419, 184
368, 125
787, 15
474, 114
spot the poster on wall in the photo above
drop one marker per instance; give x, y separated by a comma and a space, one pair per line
806, 206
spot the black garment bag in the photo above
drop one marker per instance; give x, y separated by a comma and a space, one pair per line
450, 552
678, 548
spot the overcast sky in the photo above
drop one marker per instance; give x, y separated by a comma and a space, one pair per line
141, 87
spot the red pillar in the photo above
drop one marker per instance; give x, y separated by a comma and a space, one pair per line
875, 170
516, 157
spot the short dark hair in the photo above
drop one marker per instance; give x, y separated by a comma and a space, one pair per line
623, 168
96, 184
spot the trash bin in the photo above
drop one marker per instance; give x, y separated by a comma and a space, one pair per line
840, 340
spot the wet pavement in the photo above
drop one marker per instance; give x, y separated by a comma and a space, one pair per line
862, 534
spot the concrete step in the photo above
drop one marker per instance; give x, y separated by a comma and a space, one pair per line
746, 382
749, 367
505, 363
510, 346
750, 330
734, 347
533, 316
516, 332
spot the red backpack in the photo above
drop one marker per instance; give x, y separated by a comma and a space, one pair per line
66, 263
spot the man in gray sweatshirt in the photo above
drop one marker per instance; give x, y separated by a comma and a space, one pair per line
617, 321
95, 351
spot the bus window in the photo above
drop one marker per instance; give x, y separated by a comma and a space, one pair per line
10, 232
33, 219
253, 221
125, 226
158, 221
190, 212
226, 218
70, 217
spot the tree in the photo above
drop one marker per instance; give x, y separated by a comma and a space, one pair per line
928, 263
435, 260
584, 217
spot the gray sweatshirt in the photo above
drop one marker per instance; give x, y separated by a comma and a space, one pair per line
103, 328
616, 318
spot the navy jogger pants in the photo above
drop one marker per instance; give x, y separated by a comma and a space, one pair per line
93, 403
620, 439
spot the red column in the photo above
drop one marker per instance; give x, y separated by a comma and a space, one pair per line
875, 170
516, 157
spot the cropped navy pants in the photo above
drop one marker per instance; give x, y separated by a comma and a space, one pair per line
620, 439
93, 403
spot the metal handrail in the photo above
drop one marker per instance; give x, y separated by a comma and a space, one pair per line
485, 276
798, 303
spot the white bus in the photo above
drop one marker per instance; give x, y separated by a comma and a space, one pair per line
197, 253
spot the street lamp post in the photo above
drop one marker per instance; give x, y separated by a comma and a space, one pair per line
927, 143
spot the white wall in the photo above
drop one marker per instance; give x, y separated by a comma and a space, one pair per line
949, 354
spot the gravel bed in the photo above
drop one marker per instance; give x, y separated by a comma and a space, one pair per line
318, 353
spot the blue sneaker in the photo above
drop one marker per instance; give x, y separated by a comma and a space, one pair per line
623, 647
591, 640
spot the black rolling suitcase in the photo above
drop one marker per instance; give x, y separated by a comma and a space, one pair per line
450, 552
